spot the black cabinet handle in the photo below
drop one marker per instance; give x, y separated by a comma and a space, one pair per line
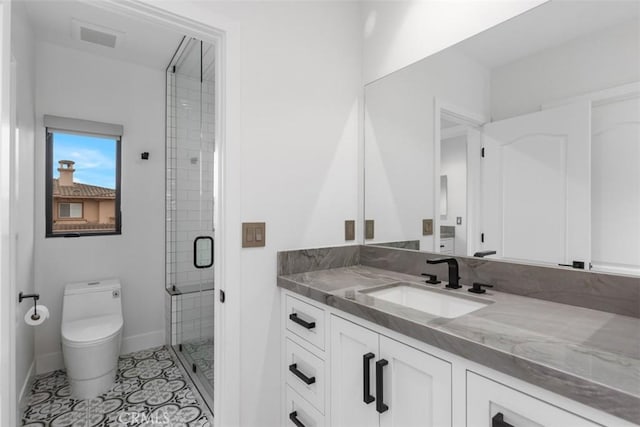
366, 383
294, 419
498, 421
293, 368
309, 325
380, 406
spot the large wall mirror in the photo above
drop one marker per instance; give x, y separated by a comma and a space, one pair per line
523, 140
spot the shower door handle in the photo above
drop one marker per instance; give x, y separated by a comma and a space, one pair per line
203, 245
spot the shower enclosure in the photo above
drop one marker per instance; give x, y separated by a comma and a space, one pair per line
190, 173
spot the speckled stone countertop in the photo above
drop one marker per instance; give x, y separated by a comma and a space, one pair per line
586, 355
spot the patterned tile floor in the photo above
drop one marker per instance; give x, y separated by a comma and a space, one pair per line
150, 390
200, 352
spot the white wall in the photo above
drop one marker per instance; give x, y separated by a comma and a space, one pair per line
611, 56
399, 33
300, 96
23, 50
453, 164
75, 84
399, 139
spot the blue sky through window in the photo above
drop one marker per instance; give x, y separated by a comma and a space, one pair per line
95, 158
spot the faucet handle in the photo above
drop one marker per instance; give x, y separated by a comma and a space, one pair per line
477, 288
433, 278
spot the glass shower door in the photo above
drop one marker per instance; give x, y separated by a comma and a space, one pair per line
190, 177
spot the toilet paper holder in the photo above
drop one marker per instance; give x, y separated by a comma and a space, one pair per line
36, 297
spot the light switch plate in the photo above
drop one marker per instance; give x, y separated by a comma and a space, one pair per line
253, 234
458, 220
427, 227
349, 230
369, 229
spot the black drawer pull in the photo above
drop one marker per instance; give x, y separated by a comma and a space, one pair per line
293, 368
366, 383
380, 406
498, 421
294, 419
309, 325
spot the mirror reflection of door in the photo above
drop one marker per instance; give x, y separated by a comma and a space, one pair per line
535, 186
453, 186
615, 185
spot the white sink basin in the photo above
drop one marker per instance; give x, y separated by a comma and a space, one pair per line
437, 303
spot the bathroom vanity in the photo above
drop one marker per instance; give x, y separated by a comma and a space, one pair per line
364, 345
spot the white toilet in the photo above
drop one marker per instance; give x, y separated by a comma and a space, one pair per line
91, 334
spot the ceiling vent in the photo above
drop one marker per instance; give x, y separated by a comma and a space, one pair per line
95, 34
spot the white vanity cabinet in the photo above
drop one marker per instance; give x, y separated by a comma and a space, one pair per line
342, 371
491, 404
376, 380
304, 367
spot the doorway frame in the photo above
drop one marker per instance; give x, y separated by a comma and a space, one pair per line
470, 119
223, 33
8, 398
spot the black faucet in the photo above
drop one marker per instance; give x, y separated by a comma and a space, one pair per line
453, 270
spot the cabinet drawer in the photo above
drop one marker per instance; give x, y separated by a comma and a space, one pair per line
306, 321
305, 374
299, 412
490, 403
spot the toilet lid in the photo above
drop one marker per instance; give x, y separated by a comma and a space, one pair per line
91, 330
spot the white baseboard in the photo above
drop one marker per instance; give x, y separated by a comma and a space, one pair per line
23, 398
51, 361
142, 341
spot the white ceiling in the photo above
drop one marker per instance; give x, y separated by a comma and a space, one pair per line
548, 25
143, 43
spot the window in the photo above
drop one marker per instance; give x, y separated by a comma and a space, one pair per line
83, 177
69, 210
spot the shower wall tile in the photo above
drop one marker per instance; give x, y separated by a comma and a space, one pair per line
192, 316
190, 175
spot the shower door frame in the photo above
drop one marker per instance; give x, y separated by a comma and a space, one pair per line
223, 34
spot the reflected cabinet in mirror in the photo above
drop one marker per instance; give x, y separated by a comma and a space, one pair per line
523, 140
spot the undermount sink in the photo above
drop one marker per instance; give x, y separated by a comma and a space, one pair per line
435, 302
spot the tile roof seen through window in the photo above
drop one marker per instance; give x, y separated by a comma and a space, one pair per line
78, 190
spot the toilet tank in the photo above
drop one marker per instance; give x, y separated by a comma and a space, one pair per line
90, 299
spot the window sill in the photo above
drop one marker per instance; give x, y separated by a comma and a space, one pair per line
83, 234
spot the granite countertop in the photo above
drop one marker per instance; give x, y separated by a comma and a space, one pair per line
586, 355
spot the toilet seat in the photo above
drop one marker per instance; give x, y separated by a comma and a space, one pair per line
91, 331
